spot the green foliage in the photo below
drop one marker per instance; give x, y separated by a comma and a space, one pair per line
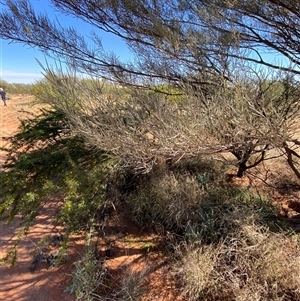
15, 88
88, 276
41, 89
45, 159
172, 94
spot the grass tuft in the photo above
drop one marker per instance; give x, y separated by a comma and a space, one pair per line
252, 264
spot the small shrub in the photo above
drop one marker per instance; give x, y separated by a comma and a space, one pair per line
88, 277
196, 204
166, 200
132, 284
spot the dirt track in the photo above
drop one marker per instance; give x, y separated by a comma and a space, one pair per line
18, 283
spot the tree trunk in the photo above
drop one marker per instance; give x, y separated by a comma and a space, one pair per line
242, 169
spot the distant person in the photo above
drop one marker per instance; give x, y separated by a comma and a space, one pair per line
3, 96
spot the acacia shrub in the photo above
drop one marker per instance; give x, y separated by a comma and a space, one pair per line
46, 159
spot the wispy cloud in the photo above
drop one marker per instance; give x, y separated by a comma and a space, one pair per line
20, 77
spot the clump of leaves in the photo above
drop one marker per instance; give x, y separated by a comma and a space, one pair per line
44, 159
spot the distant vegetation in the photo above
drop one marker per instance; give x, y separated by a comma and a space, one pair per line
15, 88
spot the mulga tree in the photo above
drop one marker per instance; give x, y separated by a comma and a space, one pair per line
193, 47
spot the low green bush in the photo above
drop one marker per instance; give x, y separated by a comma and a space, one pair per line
45, 159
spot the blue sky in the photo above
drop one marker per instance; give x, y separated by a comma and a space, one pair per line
18, 62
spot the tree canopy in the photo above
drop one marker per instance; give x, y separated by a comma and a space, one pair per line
210, 54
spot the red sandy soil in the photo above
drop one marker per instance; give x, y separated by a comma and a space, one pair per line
17, 282
130, 250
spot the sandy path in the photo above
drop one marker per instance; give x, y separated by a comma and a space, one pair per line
18, 283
